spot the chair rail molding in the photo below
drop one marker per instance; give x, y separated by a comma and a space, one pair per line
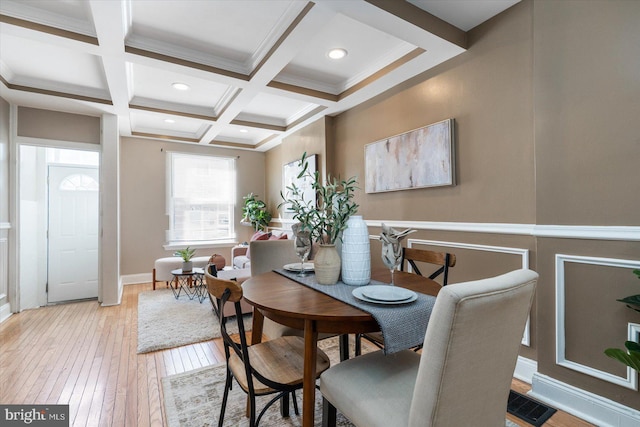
591, 232
631, 379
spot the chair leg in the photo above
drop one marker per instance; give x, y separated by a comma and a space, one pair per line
284, 405
358, 345
295, 402
227, 387
154, 279
344, 347
328, 414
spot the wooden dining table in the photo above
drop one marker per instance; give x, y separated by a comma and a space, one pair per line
290, 303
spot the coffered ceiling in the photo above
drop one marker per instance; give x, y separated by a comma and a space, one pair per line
255, 70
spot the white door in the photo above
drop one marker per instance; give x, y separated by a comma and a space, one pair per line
73, 233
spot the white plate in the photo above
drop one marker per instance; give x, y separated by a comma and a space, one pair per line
387, 293
307, 266
357, 292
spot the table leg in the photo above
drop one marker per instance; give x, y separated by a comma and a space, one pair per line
256, 328
309, 377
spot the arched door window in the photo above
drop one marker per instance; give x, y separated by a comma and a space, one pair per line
79, 182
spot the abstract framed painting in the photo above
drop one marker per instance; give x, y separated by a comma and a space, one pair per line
290, 174
416, 159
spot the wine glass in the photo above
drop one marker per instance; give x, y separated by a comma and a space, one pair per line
391, 257
303, 247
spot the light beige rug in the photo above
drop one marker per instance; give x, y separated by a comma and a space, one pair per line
167, 322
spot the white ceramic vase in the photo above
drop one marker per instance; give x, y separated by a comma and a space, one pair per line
356, 255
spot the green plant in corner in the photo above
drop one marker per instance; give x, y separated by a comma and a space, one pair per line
327, 218
630, 357
255, 212
186, 254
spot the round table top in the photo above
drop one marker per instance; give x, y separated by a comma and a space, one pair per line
281, 296
179, 272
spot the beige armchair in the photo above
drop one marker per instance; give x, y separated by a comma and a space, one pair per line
462, 377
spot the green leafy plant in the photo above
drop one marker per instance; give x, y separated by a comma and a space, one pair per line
630, 357
186, 254
255, 212
326, 217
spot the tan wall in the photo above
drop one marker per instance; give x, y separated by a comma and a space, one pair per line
143, 198
546, 108
488, 90
46, 124
587, 108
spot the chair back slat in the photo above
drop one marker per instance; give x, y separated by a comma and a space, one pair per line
216, 287
443, 259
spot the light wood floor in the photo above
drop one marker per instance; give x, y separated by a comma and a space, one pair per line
84, 355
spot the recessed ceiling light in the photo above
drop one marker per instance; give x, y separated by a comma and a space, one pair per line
180, 86
169, 121
243, 131
337, 53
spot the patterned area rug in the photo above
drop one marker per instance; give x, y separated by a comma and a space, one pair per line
167, 322
192, 399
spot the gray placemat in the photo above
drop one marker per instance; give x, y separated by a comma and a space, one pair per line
403, 325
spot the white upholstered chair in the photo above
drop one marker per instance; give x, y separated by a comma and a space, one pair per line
268, 255
462, 377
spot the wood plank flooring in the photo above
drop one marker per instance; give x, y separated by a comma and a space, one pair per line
84, 355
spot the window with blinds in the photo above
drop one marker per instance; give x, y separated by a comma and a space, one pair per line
201, 198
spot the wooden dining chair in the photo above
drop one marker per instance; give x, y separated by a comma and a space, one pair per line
411, 256
271, 367
462, 377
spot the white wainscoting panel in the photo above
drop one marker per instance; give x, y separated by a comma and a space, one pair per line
631, 379
523, 253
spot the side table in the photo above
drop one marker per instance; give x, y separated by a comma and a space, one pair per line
191, 282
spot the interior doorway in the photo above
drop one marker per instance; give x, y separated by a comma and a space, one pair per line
59, 225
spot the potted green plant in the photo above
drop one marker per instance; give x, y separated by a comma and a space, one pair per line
254, 212
325, 218
186, 254
630, 357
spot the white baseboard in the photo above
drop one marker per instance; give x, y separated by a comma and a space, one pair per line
134, 279
525, 369
5, 312
583, 404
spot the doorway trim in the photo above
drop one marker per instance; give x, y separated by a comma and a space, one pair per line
15, 143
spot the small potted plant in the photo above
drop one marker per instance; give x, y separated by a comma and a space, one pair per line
254, 212
326, 218
631, 356
186, 254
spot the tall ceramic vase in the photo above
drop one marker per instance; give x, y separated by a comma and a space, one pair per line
327, 265
356, 258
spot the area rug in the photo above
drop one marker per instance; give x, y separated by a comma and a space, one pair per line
192, 399
167, 322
